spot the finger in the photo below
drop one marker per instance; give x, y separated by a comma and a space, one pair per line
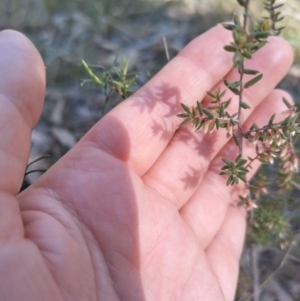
22, 86
208, 206
149, 116
224, 252
181, 167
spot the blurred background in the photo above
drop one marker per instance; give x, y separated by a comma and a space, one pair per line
98, 31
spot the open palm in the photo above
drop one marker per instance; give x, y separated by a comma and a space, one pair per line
136, 210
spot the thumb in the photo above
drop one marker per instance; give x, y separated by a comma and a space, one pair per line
22, 87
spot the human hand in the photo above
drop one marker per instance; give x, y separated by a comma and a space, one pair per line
136, 210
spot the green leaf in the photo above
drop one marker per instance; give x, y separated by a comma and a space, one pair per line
225, 167
236, 36
277, 6
261, 44
244, 105
208, 114
246, 54
125, 66
200, 109
91, 73
210, 94
222, 94
242, 177
289, 106
230, 48
238, 158
250, 71
241, 163
229, 181
227, 103
264, 136
226, 161
232, 86
228, 26
185, 121
217, 124
118, 83
253, 81
261, 35
185, 107
279, 19
280, 29
237, 59
243, 169
196, 123
254, 126
237, 21
235, 180
182, 115
271, 119
193, 112
221, 113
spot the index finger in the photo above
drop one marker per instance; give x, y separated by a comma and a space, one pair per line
149, 116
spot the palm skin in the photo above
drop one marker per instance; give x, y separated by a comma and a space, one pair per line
136, 210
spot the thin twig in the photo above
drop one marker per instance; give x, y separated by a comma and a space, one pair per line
282, 263
166, 48
241, 69
255, 271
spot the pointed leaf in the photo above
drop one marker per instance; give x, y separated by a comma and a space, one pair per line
221, 113
185, 121
271, 119
242, 177
238, 158
210, 94
243, 169
244, 105
228, 26
229, 181
253, 81
125, 66
250, 71
182, 115
246, 54
277, 6
226, 161
235, 84
235, 180
227, 103
289, 106
230, 48
234, 90
237, 21
208, 114
222, 94
261, 34
217, 124
200, 109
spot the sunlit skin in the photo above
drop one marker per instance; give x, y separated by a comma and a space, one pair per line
137, 210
